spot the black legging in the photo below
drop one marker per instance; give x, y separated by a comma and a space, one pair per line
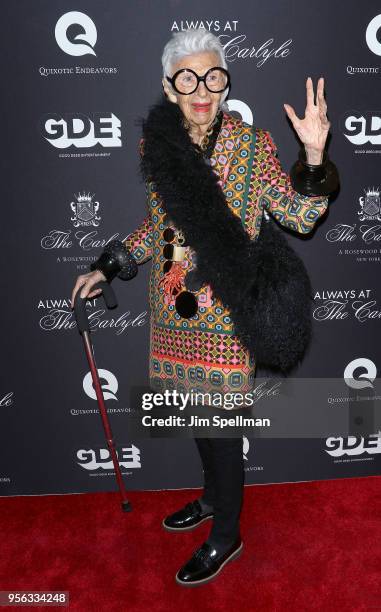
224, 476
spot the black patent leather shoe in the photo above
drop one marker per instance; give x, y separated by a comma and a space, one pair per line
206, 564
188, 518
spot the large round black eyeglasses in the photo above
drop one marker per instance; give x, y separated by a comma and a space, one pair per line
186, 81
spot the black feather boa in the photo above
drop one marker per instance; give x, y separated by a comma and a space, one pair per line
262, 282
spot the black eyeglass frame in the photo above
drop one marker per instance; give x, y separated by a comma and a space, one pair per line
172, 79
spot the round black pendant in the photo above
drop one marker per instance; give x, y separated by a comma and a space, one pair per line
167, 266
168, 251
186, 304
168, 234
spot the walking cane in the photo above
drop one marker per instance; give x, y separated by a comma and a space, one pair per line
84, 330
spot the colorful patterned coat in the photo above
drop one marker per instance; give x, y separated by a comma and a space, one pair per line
202, 353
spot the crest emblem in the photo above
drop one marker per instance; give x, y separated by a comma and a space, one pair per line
85, 211
370, 206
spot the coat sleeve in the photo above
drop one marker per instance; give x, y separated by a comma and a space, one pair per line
292, 209
140, 241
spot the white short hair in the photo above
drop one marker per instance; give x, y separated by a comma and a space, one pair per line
188, 42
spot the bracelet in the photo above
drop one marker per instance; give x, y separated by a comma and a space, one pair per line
116, 260
314, 180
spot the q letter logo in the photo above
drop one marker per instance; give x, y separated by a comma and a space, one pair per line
89, 35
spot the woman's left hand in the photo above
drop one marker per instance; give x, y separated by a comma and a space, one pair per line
313, 129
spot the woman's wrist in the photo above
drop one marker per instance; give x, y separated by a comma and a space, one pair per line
313, 156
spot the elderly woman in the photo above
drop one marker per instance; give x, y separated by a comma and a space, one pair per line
211, 180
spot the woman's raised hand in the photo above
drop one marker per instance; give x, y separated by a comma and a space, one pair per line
86, 281
313, 129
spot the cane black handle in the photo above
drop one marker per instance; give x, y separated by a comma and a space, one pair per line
80, 304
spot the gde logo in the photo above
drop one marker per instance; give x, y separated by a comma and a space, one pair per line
81, 131
100, 459
353, 445
360, 128
109, 389
89, 35
367, 375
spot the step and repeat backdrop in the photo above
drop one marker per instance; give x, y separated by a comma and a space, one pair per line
76, 82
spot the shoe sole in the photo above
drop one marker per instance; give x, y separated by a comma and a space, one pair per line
190, 528
233, 556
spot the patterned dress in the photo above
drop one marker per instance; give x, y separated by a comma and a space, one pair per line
202, 353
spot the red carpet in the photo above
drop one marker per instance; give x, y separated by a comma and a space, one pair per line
307, 546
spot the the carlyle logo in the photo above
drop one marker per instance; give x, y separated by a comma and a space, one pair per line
80, 44
212, 25
339, 304
353, 445
57, 239
85, 210
370, 205
345, 232
100, 459
372, 35
7, 399
109, 388
236, 44
362, 127
80, 130
360, 373
368, 213
57, 315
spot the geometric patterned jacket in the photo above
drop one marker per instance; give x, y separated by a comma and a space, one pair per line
202, 352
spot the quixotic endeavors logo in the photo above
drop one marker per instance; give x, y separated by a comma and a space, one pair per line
237, 106
68, 22
80, 130
100, 458
353, 445
109, 388
246, 446
371, 35
373, 41
365, 370
85, 211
